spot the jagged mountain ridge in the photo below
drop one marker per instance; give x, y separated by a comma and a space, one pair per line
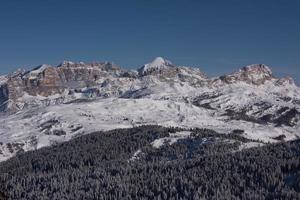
102, 79
50, 104
106, 80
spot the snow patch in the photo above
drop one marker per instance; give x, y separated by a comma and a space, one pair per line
173, 138
135, 155
250, 145
3, 80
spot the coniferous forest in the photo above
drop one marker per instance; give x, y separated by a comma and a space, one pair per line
123, 164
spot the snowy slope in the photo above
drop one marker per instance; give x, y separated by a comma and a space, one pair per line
158, 63
37, 128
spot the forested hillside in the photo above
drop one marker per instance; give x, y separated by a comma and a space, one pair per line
149, 162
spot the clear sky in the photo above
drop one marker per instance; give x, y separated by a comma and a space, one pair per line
219, 36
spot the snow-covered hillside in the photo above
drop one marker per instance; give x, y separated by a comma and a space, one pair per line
49, 105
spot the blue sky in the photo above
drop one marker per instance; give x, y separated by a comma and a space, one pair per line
216, 35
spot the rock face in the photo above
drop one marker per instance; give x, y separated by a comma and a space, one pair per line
45, 81
253, 74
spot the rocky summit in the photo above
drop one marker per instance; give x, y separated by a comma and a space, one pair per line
46, 81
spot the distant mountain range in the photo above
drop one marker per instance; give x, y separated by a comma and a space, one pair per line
49, 104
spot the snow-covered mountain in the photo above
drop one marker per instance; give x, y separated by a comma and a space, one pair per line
50, 104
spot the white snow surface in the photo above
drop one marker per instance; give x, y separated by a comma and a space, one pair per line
25, 127
3, 80
135, 155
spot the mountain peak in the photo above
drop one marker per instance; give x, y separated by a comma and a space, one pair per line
257, 69
254, 74
158, 63
66, 62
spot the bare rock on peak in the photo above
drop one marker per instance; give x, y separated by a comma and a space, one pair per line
286, 81
253, 74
